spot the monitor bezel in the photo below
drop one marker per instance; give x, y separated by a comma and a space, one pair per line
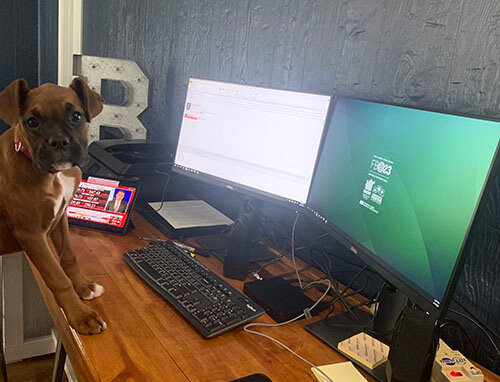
371, 259
247, 190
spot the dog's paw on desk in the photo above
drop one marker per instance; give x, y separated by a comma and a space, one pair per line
87, 321
93, 290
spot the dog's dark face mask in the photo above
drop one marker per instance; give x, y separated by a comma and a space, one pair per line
52, 122
58, 137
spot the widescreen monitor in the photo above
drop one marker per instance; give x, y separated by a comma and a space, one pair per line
400, 187
257, 140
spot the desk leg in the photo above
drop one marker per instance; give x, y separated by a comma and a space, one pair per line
3, 366
59, 362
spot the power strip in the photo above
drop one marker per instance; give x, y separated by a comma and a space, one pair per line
451, 365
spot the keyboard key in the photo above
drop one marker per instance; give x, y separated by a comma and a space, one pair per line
174, 293
213, 326
190, 287
232, 320
199, 316
149, 270
182, 289
166, 286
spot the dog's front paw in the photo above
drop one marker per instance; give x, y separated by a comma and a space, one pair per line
87, 321
91, 291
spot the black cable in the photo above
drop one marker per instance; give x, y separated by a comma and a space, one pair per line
268, 263
340, 297
366, 326
293, 272
326, 269
330, 275
166, 182
352, 293
281, 249
334, 282
321, 236
455, 324
354, 278
479, 326
477, 319
327, 253
156, 171
275, 226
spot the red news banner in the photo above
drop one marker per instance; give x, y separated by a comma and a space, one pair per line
90, 201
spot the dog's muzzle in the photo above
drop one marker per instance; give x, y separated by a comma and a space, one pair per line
60, 152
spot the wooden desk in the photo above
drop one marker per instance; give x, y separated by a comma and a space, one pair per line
147, 340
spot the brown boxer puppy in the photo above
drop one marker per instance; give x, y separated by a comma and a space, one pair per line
38, 177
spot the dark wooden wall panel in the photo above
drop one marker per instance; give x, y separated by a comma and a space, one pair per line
292, 39
475, 72
47, 41
254, 41
439, 54
19, 43
358, 35
222, 39
8, 52
323, 49
416, 54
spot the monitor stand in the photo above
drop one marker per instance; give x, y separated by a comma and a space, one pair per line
342, 326
245, 229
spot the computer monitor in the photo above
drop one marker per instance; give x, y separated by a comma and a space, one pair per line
400, 188
258, 141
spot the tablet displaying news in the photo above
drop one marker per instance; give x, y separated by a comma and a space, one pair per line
102, 203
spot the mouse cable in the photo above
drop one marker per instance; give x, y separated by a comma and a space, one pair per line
306, 313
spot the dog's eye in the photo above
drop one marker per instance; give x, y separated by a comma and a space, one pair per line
32, 123
76, 116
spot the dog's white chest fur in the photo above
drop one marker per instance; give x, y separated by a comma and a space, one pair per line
64, 198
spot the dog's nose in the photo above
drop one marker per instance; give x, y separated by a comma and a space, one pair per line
58, 141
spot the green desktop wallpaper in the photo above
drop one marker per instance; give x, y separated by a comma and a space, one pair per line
404, 183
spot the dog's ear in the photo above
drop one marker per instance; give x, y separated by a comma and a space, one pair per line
12, 101
91, 101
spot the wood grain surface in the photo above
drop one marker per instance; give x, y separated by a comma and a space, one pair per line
147, 340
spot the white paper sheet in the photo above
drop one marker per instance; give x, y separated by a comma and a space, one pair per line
191, 213
339, 372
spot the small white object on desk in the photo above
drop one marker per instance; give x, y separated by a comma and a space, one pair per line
339, 372
190, 214
365, 349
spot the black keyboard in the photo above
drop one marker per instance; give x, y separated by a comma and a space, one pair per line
209, 303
